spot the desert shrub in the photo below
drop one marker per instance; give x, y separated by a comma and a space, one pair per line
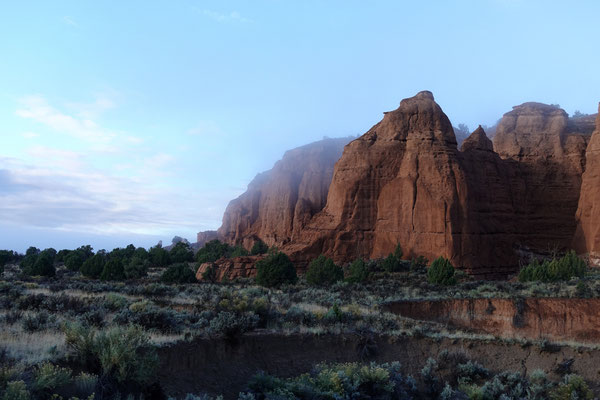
562, 269
181, 253
113, 271
37, 321
358, 271
120, 353
259, 247
212, 251
126, 355
80, 341
48, 378
232, 325
441, 272
93, 267
136, 268
299, 316
149, 316
94, 317
471, 371
16, 390
276, 269
539, 386
159, 257
338, 381
84, 385
323, 271
572, 387
512, 385
334, 314
393, 262
178, 273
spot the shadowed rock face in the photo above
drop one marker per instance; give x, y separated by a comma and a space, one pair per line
279, 202
587, 238
550, 161
405, 181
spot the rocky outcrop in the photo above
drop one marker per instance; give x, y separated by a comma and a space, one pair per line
230, 268
405, 182
587, 238
279, 202
550, 161
205, 236
400, 182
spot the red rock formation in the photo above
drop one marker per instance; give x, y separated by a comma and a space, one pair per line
550, 161
587, 237
494, 192
398, 183
279, 202
405, 181
231, 268
205, 236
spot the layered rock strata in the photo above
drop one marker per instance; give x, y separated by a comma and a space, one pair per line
587, 237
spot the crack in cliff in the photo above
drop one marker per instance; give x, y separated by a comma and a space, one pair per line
415, 189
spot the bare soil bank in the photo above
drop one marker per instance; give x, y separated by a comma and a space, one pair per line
556, 319
222, 367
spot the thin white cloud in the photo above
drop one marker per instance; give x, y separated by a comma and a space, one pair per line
64, 192
204, 128
30, 135
233, 16
70, 21
38, 109
92, 110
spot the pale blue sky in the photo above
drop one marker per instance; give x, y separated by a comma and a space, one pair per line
135, 121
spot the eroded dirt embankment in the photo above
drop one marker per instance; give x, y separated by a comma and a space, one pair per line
557, 319
222, 367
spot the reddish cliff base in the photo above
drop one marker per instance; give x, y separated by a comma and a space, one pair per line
555, 319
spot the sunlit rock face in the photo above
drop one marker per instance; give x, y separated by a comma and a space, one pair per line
587, 237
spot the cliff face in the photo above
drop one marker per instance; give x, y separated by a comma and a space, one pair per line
398, 183
405, 182
279, 202
550, 161
587, 237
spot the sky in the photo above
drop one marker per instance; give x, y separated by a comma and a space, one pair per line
133, 122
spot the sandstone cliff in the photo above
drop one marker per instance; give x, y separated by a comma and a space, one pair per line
550, 161
587, 238
406, 182
279, 202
